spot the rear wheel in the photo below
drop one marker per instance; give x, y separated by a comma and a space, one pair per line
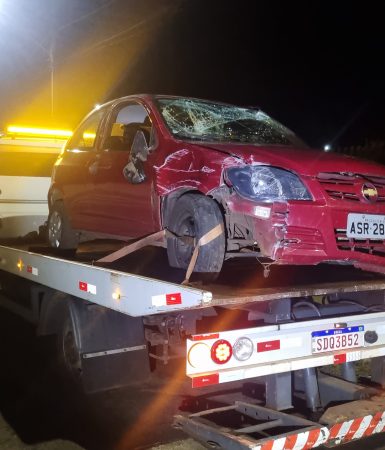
69, 352
195, 215
60, 232
68, 357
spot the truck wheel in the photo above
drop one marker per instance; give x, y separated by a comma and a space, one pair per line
60, 232
69, 358
195, 215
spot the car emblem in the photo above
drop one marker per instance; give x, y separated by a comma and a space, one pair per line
369, 192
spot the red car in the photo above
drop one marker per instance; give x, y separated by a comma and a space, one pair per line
144, 163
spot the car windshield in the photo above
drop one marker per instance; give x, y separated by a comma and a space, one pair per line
215, 122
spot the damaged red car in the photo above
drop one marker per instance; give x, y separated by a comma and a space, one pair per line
145, 163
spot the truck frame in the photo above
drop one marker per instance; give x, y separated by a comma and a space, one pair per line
117, 327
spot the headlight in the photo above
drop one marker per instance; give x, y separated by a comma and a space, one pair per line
267, 183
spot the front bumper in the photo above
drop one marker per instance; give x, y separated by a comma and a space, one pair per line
309, 233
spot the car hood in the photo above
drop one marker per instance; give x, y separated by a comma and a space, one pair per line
302, 161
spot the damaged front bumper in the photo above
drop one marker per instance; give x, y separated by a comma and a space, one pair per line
307, 233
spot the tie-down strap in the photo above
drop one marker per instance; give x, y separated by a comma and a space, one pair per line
157, 238
204, 240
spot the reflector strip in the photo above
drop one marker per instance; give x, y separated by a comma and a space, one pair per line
335, 430
173, 299
268, 346
354, 427
202, 337
340, 359
167, 299
366, 422
86, 287
33, 270
205, 380
339, 433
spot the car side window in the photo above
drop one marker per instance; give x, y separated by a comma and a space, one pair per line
127, 121
131, 131
85, 136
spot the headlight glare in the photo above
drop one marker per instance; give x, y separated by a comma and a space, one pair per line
267, 183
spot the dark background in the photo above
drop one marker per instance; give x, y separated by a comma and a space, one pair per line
315, 66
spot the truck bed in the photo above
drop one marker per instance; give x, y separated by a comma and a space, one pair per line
240, 282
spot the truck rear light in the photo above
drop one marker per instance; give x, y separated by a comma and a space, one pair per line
243, 349
199, 355
221, 351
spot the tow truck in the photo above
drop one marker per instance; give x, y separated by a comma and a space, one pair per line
121, 319
27, 155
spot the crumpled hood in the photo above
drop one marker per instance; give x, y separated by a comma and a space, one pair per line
302, 161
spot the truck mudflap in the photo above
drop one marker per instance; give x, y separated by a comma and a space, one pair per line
244, 426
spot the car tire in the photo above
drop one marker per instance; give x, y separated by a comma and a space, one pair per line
60, 234
195, 215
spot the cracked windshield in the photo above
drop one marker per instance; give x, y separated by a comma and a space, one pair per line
215, 122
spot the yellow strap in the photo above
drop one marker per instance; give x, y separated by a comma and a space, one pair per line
152, 240
204, 240
148, 240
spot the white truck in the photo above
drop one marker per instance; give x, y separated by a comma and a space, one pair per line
27, 155
277, 335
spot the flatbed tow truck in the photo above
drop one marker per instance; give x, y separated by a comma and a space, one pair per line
119, 323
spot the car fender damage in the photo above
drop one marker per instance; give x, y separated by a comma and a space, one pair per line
189, 168
259, 227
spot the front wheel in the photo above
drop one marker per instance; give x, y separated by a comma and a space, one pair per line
194, 216
60, 233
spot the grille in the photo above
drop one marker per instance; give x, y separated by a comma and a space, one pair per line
347, 186
369, 246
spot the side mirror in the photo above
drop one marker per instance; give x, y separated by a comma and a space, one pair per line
134, 170
139, 148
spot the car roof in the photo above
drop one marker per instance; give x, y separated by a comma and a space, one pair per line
152, 97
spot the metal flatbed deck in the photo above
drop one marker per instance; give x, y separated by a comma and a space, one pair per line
143, 283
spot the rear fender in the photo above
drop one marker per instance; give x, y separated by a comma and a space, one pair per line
112, 345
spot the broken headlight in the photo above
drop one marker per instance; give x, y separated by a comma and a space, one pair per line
267, 183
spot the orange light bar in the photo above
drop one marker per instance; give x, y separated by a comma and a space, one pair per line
89, 135
41, 132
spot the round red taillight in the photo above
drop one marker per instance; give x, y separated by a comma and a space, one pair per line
221, 351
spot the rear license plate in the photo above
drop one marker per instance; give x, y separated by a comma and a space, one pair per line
337, 339
365, 226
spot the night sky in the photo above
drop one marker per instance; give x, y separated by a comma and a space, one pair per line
316, 66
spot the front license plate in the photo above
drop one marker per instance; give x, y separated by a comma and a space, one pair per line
337, 339
365, 226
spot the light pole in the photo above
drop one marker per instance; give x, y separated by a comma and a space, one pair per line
51, 55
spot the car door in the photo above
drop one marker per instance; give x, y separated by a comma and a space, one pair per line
75, 173
124, 193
